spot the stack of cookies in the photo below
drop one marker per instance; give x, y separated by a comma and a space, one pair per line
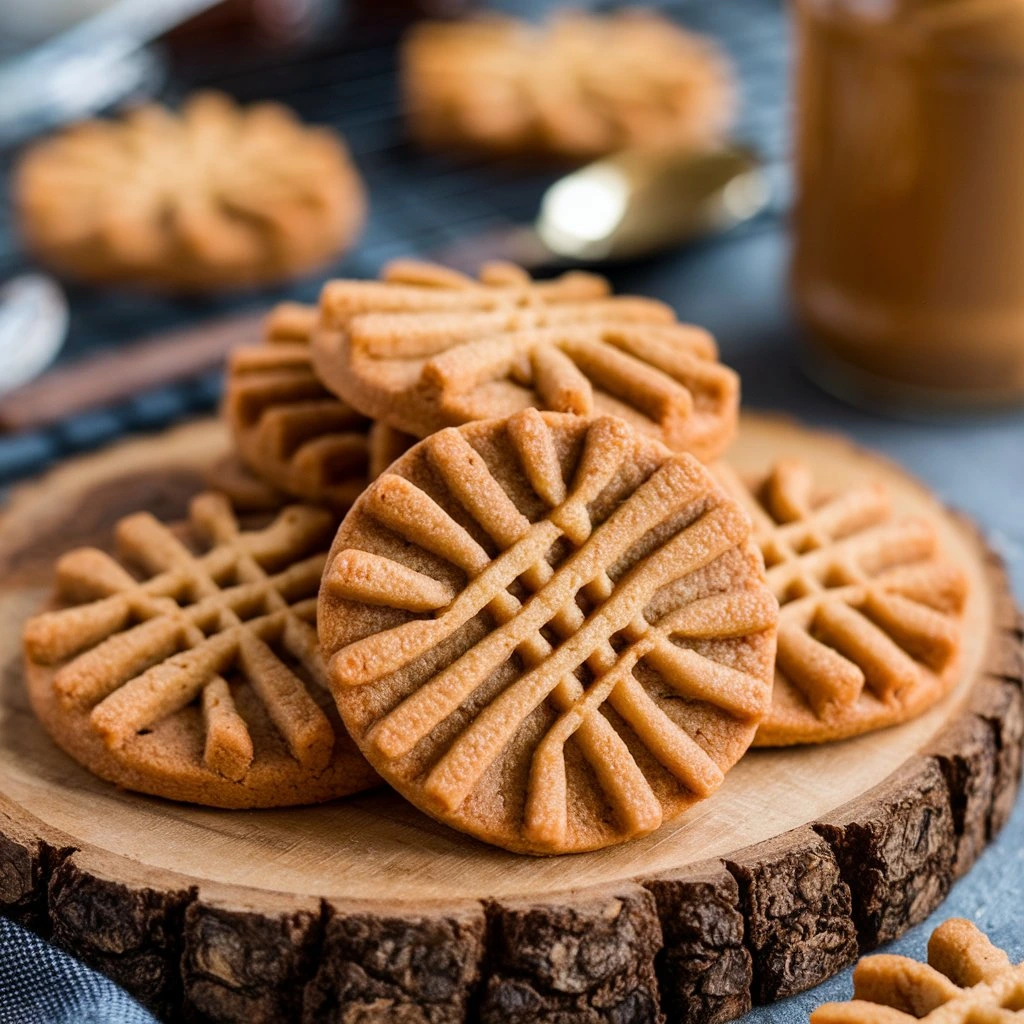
499, 564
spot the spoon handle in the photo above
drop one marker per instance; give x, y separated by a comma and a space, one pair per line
119, 374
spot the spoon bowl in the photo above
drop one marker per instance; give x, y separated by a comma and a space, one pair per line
640, 202
33, 326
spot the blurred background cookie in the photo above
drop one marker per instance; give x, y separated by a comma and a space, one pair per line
214, 196
577, 87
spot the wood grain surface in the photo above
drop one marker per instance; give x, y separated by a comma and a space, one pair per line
365, 910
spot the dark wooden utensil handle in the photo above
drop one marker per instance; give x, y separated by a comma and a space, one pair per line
118, 374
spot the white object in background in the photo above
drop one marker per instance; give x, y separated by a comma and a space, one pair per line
33, 326
33, 22
87, 67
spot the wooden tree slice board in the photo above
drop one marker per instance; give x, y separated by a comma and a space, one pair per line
366, 910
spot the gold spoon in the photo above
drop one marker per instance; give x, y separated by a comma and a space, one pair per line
627, 206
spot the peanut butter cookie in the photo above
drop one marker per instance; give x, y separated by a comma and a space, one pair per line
870, 620
548, 631
188, 667
427, 348
293, 432
216, 196
967, 979
579, 87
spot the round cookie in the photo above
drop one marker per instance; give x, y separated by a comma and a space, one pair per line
188, 667
548, 631
427, 348
290, 430
216, 196
870, 618
580, 87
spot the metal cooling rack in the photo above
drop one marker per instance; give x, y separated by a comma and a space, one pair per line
419, 202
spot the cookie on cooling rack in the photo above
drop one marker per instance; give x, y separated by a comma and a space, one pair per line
548, 631
215, 196
188, 666
577, 88
427, 348
870, 620
290, 430
967, 979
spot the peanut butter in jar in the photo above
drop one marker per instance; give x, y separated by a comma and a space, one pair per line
908, 269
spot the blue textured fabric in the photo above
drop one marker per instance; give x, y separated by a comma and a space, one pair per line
41, 985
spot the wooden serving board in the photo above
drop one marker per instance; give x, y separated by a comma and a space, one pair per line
366, 910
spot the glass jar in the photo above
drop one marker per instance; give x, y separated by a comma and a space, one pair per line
908, 268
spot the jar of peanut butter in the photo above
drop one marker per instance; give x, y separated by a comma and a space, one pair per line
908, 269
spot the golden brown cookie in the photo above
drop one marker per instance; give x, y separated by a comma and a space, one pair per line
292, 431
579, 87
427, 348
247, 492
870, 620
188, 667
548, 631
967, 980
216, 196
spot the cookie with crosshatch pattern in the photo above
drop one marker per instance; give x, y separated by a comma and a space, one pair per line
290, 430
188, 666
548, 631
967, 980
870, 619
427, 347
